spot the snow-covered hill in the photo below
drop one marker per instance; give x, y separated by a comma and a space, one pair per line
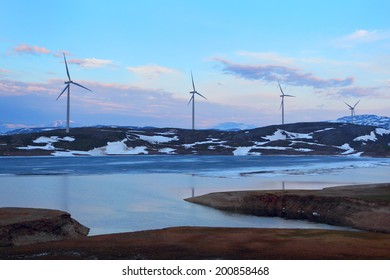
373, 120
319, 138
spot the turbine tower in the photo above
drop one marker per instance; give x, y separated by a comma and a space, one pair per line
282, 103
352, 109
193, 101
67, 87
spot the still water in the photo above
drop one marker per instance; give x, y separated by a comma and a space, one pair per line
129, 193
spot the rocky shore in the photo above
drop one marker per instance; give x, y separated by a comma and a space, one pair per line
364, 207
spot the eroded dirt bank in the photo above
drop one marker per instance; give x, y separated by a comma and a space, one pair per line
20, 226
365, 207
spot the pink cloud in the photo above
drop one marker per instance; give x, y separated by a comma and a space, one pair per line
151, 71
359, 91
24, 48
272, 73
91, 62
18, 88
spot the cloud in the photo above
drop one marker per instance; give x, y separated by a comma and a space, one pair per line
34, 50
18, 88
362, 36
4, 72
267, 56
151, 71
91, 62
288, 75
359, 91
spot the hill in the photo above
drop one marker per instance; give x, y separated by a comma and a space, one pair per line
373, 120
317, 138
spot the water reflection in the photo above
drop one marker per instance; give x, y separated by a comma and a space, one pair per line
129, 202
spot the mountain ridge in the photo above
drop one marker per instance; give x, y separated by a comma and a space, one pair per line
309, 138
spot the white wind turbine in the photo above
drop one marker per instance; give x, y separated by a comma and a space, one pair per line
282, 103
193, 101
67, 87
352, 109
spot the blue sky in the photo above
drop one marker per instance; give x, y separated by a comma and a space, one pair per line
136, 56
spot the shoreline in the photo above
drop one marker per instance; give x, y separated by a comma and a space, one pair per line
363, 207
232, 243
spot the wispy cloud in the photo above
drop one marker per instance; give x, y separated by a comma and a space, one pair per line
34, 50
91, 62
18, 88
359, 91
362, 36
4, 72
151, 71
267, 56
288, 75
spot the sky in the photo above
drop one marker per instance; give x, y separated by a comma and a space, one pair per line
137, 58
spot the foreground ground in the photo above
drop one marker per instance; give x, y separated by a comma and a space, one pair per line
213, 243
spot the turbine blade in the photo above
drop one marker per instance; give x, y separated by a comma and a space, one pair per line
348, 105
280, 87
66, 65
193, 84
63, 91
356, 104
192, 98
81, 86
201, 95
289, 95
281, 104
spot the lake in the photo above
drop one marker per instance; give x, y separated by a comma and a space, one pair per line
113, 194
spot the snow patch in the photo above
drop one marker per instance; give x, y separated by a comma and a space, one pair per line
348, 149
156, 139
371, 137
52, 139
210, 141
120, 148
325, 129
168, 151
242, 151
381, 131
278, 135
283, 135
48, 146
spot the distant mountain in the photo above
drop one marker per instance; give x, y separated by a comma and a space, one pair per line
374, 120
315, 138
10, 129
233, 126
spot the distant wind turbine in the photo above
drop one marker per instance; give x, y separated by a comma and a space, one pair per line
352, 109
282, 103
67, 87
193, 101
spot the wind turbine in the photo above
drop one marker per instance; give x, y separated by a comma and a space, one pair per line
352, 109
67, 87
282, 103
193, 101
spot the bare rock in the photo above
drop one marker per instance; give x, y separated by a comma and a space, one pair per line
21, 226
